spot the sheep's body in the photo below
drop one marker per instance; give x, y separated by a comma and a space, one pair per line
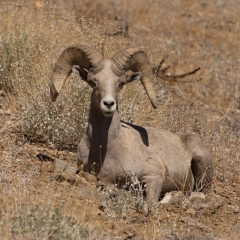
118, 152
161, 159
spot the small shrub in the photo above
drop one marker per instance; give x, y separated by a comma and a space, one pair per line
27, 57
45, 223
118, 203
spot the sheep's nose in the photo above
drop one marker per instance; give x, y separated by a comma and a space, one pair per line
109, 103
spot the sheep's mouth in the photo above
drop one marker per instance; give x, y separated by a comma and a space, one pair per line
108, 113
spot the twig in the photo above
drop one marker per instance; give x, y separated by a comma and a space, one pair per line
175, 77
158, 72
157, 69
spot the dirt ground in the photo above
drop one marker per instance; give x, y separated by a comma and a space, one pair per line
189, 35
30, 168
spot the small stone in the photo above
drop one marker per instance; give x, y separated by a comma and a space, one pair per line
197, 196
197, 199
2, 94
215, 202
172, 197
191, 212
81, 180
87, 192
124, 215
63, 167
90, 178
233, 208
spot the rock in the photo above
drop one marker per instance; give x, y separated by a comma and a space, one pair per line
128, 233
87, 192
67, 172
90, 178
172, 197
80, 180
5, 113
197, 197
2, 93
191, 212
61, 167
196, 201
233, 208
44, 157
216, 201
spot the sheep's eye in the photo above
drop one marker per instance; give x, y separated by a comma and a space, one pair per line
120, 85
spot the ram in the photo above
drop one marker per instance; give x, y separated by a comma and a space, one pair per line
118, 151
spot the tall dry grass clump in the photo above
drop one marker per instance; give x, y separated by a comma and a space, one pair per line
31, 41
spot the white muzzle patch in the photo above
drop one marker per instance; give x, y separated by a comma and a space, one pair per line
108, 106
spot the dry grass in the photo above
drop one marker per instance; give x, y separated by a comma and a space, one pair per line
32, 34
28, 52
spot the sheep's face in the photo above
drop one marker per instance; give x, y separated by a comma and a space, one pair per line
106, 84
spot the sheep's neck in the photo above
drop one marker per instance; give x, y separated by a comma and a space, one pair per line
102, 132
103, 129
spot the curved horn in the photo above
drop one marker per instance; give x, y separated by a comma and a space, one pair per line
136, 60
82, 55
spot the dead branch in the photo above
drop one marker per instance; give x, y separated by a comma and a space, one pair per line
158, 72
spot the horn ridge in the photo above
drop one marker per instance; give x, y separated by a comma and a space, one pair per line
82, 55
136, 60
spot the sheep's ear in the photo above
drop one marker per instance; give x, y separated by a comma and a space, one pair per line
133, 77
80, 72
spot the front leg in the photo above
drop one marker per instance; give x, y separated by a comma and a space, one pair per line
153, 188
83, 151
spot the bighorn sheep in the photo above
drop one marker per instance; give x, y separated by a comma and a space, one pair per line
116, 150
